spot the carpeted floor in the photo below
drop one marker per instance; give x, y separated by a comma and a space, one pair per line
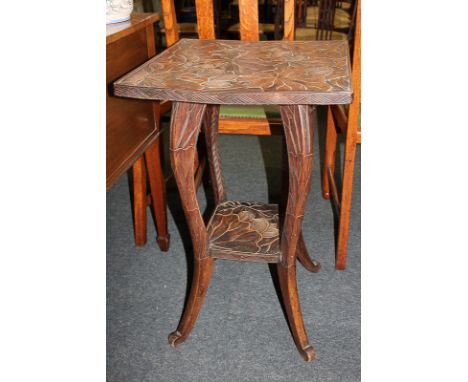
241, 333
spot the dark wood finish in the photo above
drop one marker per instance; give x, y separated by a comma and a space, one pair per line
350, 126
217, 72
132, 128
185, 127
211, 138
299, 123
244, 231
244, 72
252, 234
303, 256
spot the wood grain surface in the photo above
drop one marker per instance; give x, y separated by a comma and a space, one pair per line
244, 72
245, 231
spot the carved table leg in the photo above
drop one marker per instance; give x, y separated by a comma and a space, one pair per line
299, 122
310, 264
185, 127
211, 137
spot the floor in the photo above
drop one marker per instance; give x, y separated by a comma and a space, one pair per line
241, 333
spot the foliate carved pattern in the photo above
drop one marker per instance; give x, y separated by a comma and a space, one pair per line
299, 122
185, 127
211, 136
188, 117
245, 72
245, 231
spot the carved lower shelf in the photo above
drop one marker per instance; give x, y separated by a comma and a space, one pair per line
245, 231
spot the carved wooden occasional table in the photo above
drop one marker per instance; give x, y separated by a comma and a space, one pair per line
199, 75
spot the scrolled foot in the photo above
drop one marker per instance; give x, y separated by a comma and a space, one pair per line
308, 353
163, 242
312, 266
174, 339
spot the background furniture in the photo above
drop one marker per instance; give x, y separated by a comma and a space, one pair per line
132, 126
348, 123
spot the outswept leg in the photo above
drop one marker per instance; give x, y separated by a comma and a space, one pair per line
299, 122
288, 285
185, 128
307, 262
201, 279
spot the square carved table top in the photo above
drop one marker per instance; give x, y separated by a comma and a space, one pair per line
244, 72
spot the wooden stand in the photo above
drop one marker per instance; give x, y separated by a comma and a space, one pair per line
244, 231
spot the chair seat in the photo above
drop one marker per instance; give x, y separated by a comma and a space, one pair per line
305, 34
249, 112
344, 5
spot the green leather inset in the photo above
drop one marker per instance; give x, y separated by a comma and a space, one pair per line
254, 112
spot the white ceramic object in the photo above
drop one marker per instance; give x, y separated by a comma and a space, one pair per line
118, 10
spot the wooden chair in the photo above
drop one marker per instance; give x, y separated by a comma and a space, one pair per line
325, 22
348, 123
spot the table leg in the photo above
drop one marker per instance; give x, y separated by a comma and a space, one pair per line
303, 256
211, 137
158, 193
299, 122
139, 201
185, 128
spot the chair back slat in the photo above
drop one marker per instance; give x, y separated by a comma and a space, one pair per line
248, 17
289, 23
326, 19
170, 22
205, 19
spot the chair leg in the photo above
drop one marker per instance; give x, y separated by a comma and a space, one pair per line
330, 153
158, 193
203, 270
346, 195
288, 285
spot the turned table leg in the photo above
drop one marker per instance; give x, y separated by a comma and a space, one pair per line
158, 193
299, 122
185, 128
